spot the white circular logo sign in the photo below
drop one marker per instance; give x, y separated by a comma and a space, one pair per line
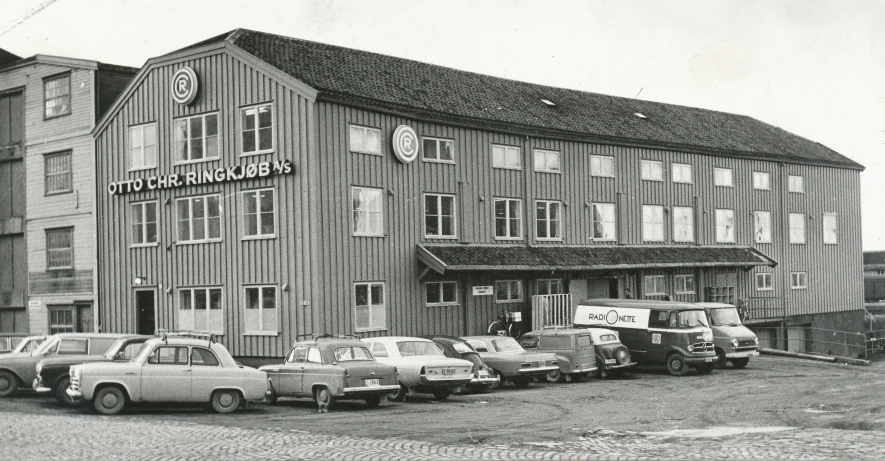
405, 144
185, 86
611, 317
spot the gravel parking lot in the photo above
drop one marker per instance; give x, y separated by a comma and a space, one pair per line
774, 408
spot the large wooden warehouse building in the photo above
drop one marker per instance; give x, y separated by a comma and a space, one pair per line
266, 188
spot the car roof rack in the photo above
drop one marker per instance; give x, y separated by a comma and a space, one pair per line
557, 327
166, 334
338, 336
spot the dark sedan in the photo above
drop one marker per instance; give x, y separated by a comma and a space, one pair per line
457, 348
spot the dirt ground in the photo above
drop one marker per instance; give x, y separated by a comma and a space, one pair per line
769, 392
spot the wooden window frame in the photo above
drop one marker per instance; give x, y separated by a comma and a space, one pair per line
681, 167
206, 239
546, 153
439, 216
690, 225
353, 231
52, 78
258, 213
547, 221
442, 301
647, 170
144, 166
257, 135
656, 278
791, 183
761, 277
614, 222
509, 283
46, 232
508, 218
207, 290
438, 141
507, 150
722, 212
663, 230
680, 281
790, 219
796, 277
602, 160
262, 331
364, 129
69, 155
203, 139
718, 183
834, 219
371, 306
757, 180
143, 212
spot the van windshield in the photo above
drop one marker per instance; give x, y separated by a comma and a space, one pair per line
691, 319
725, 316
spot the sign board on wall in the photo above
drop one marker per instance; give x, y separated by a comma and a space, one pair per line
195, 178
35, 304
185, 86
405, 143
623, 317
482, 291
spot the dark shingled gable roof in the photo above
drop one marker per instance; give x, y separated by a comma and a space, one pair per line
437, 93
873, 257
7, 57
508, 257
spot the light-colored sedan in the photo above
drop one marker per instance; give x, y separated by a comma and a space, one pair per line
422, 366
510, 361
170, 369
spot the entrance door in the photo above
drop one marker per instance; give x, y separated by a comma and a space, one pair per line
84, 317
602, 288
145, 308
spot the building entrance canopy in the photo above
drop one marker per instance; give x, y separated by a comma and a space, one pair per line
443, 258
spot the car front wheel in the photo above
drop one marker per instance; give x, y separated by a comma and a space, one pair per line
555, 376
741, 362
441, 394
109, 400
676, 365
8, 384
373, 401
225, 401
61, 392
521, 381
324, 399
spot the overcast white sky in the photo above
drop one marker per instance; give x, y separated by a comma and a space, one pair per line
815, 68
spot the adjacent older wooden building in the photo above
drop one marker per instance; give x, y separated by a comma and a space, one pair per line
265, 188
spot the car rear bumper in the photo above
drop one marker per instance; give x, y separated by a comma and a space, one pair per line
584, 370
39, 387
537, 370
443, 381
741, 355
371, 389
484, 380
75, 395
697, 360
623, 365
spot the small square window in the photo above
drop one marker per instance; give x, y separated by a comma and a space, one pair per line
441, 293
652, 170
798, 280
796, 184
547, 161
198, 218
682, 173
654, 285
256, 129
722, 177
763, 281
508, 291
761, 180
370, 313
601, 165
507, 157
438, 150
365, 140
57, 96
196, 138
684, 285
439, 216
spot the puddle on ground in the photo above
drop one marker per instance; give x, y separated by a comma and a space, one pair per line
823, 408
721, 431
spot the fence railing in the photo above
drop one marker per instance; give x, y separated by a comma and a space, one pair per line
763, 309
823, 341
551, 310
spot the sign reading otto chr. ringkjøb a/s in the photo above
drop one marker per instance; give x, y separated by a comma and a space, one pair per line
196, 178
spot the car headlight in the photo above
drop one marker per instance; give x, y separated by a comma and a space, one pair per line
735, 342
756, 339
690, 348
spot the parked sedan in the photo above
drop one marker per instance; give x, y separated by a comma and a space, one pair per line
174, 368
25, 344
573, 348
611, 356
53, 373
457, 348
328, 369
510, 361
18, 369
422, 366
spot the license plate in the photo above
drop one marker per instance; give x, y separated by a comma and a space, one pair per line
372, 383
448, 371
708, 359
483, 374
610, 361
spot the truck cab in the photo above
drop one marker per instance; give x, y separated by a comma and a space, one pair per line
734, 342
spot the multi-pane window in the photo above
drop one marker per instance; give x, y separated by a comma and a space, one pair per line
601, 165
367, 211
798, 280
259, 212
508, 291
548, 220
604, 221
57, 96
257, 129
261, 316
61, 320
506, 157
196, 138
200, 309
440, 293
547, 161
723, 177
683, 224
58, 176
60, 248
724, 226
654, 285
684, 284
438, 150
797, 228
831, 228
144, 223
763, 281
762, 226
761, 180
550, 287
143, 146
365, 140
439, 216
508, 218
681, 172
796, 184
652, 223
198, 218
369, 311
652, 170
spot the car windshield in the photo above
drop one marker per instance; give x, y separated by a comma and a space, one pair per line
347, 354
691, 319
413, 348
725, 316
507, 345
124, 349
607, 337
28, 345
142, 353
584, 341
463, 348
47, 345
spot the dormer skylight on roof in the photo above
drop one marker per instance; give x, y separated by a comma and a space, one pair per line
640, 115
548, 102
